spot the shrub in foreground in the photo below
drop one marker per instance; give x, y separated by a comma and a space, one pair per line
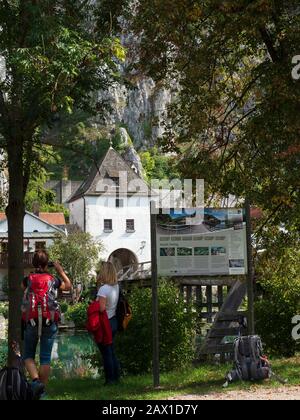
177, 331
77, 314
280, 281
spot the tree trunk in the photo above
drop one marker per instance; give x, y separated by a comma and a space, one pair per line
15, 212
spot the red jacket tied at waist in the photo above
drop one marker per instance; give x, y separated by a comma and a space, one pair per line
98, 324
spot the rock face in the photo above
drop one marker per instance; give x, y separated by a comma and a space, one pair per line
130, 154
139, 108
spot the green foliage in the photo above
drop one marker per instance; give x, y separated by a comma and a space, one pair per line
55, 56
38, 194
280, 279
84, 146
3, 353
4, 309
232, 120
78, 314
177, 331
5, 287
157, 165
199, 381
64, 307
78, 253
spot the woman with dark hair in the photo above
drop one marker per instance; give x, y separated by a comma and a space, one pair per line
41, 317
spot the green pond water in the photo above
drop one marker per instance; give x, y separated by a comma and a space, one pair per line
73, 355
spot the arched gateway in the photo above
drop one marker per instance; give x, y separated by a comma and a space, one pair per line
123, 259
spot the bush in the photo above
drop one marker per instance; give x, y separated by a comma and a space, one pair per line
3, 353
177, 331
64, 307
4, 309
5, 288
280, 281
77, 314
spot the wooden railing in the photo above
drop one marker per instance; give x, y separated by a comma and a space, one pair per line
135, 272
28, 257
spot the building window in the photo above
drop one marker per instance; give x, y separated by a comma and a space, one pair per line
116, 181
130, 225
108, 225
119, 203
40, 246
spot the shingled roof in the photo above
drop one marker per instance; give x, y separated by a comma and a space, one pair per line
109, 169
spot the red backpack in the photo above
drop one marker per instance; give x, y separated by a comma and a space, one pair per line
40, 299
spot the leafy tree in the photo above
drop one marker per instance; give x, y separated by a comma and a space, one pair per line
79, 254
55, 55
84, 145
234, 120
38, 194
157, 165
279, 278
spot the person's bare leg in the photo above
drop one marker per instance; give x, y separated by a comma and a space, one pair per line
44, 373
31, 369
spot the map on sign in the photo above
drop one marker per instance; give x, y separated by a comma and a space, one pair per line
216, 245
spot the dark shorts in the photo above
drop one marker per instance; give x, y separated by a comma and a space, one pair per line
46, 343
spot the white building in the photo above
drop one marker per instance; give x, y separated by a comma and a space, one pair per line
113, 205
39, 233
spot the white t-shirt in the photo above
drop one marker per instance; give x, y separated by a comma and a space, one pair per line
111, 293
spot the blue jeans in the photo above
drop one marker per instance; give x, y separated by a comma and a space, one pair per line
110, 361
46, 342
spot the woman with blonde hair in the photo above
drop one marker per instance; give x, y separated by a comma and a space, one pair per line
108, 297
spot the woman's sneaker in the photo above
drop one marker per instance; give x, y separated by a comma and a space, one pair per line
38, 388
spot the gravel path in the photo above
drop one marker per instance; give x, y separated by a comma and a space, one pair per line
284, 393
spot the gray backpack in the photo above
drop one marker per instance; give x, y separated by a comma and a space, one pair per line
249, 363
14, 386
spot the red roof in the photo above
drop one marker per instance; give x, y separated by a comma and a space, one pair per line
53, 218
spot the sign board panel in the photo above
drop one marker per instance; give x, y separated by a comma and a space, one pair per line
214, 244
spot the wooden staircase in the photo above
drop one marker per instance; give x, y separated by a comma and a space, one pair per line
227, 322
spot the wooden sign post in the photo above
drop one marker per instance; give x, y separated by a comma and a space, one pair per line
154, 278
250, 275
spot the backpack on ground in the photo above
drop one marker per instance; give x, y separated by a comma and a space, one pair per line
249, 362
39, 302
123, 313
14, 386
13, 383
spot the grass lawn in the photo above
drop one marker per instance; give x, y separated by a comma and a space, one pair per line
200, 380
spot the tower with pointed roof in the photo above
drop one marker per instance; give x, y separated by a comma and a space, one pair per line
113, 205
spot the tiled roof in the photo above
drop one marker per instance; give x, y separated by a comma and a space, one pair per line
109, 168
53, 218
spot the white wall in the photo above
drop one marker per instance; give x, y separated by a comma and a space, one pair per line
137, 208
31, 224
77, 213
